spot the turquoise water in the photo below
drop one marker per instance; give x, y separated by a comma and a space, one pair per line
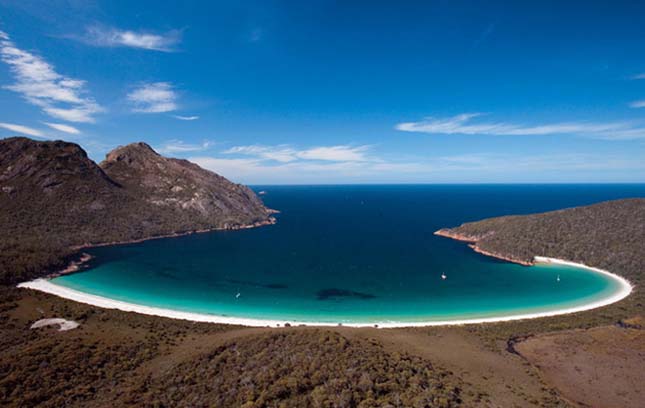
353, 254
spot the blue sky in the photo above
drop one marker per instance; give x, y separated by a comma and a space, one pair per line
285, 92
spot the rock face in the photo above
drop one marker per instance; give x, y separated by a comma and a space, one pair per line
47, 167
53, 197
183, 188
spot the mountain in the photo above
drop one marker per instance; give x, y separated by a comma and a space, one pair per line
195, 197
54, 198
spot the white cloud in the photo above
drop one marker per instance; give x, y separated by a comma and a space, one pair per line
335, 153
185, 117
286, 154
178, 146
101, 36
638, 104
63, 128
639, 76
286, 164
251, 170
38, 82
536, 164
463, 124
281, 153
156, 97
461, 168
22, 130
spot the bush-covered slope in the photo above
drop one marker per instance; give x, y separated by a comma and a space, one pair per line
313, 368
608, 235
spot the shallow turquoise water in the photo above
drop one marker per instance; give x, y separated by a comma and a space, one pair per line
353, 254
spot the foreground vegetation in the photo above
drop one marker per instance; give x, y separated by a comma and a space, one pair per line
316, 368
125, 359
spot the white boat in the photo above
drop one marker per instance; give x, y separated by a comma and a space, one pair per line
443, 276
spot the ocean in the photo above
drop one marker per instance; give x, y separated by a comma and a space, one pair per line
354, 254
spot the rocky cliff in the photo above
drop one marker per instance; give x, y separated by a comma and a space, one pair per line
192, 195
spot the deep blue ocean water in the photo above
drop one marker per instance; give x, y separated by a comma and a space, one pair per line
353, 254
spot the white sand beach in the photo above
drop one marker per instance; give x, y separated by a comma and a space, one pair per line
47, 286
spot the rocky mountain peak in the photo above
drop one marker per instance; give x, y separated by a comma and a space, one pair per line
47, 165
132, 153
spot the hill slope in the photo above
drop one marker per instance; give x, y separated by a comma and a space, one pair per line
53, 197
608, 235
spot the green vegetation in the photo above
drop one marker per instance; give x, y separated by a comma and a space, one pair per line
315, 368
608, 235
126, 359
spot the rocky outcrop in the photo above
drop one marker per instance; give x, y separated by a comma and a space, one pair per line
183, 188
472, 243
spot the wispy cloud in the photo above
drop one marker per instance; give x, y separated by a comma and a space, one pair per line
639, 76
102, 36
185, 117
286, 154
63, 128
638, 104
288, 164
38, 82
536, 164
22, 130
156, 97
335, 153
462, 168
281, 153
464, 124
178, 146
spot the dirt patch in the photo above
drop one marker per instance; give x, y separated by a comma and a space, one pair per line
598, 367
496, 377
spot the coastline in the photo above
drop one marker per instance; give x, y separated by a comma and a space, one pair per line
80, 258
268, 221
472, 244
47, 286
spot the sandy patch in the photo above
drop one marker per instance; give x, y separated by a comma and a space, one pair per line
63, 324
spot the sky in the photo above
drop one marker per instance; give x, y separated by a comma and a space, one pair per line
338, 92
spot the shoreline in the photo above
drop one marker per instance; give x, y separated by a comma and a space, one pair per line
472, 244
257, 224
80, 258
45, 285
